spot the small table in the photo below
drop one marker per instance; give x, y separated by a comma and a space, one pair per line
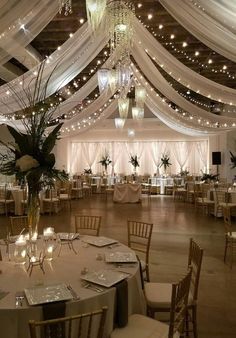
127, 193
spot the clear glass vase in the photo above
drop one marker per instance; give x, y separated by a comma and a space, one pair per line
33, 214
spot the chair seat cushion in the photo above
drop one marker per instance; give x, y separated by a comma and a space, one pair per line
158, 295
54, 199
142, 327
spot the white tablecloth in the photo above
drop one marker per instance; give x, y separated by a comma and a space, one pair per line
64, 269
127, 193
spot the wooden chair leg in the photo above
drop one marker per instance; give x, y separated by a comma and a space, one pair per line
194, 319
226, 247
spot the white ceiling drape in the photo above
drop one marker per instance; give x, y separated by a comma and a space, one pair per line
180, 72
203, 27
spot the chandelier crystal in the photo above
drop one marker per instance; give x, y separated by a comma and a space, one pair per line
119, 123
103, 79
95, 11
140, 96
67, 5
123, 106
137, 113
120, 25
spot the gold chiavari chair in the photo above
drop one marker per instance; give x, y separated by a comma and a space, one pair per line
141, 326
17, 224
87, 225
158, 295
139, 239
51, 203
81, 326
230, 236
6, 201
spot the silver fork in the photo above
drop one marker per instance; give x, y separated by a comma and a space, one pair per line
92, 287
19, 301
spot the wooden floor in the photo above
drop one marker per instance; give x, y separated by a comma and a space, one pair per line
174, 224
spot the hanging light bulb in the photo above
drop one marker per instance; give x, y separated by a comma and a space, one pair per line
137, 113
113, 80
95, 11
123, 105
67, 4
103, 79
119, 123
140, 95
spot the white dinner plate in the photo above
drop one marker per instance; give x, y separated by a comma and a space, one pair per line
105, 278
120, 257
98, 241
48, 294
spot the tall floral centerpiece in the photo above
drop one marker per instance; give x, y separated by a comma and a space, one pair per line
105, 161
30, 156
165, 162
134, 161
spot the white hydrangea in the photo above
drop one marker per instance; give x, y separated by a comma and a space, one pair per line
26, 163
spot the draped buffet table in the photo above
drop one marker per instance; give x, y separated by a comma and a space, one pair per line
64, 269
127, 193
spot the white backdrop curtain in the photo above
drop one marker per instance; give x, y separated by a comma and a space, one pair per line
182, 151
202, 148
157, 149
88, 154
203, 27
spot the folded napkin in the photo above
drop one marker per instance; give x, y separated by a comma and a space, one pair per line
121, 312
52, 311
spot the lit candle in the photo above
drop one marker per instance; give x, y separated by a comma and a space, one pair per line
48, 232
20, 250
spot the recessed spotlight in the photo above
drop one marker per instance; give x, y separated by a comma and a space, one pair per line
71, 35
196, 53
224, 67
149, 16
81, 20
185, 44
172, 36
139, 5
210, 61
160, 26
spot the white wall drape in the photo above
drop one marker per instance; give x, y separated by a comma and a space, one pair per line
184, 154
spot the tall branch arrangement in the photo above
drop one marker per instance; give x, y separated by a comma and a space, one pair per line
134, 161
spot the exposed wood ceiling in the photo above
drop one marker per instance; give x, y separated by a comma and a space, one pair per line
58, 30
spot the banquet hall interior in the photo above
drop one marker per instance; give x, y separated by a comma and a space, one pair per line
117, 168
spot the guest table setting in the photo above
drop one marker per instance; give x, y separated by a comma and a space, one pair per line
76, 273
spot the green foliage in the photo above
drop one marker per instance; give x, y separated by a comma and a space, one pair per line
134, 161
30, 157
165, 161
88, 171
209, 177
105, 161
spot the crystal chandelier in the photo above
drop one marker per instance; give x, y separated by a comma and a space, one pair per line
137, 113
140, 95
119, 123
123, 106
103, 79
67, 4
95, 10
120, 16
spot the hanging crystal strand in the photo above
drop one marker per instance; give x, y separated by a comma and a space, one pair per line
67, 4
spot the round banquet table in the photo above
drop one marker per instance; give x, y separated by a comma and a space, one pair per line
127, 193
64, 269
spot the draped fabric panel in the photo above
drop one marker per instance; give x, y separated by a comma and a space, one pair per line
202, 148
183, 154
205, 28
156, 151
179, 71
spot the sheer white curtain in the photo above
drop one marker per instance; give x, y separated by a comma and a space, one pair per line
181, 151
156, 151
202, 148
88, 154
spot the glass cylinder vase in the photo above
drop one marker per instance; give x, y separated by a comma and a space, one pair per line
33, 213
